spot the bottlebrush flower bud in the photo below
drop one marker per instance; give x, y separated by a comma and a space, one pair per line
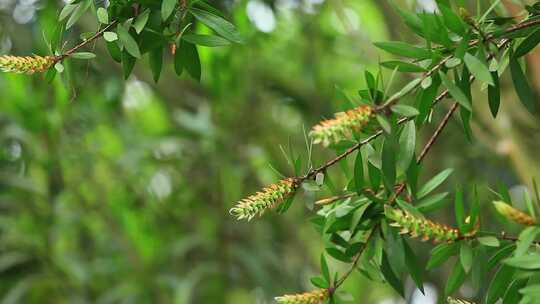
313, 297
342, 126
514, 214
420, 227
268, 198
27, 65
451, 300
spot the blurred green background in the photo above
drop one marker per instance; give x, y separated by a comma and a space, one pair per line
117, 191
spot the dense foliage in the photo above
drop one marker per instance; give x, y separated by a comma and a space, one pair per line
376, 207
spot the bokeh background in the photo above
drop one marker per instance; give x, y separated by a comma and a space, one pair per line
117, 191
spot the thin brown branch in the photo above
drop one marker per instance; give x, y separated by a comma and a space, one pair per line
84, 43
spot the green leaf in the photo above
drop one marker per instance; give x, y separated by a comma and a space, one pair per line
407, 145
66, 11
466, 256
388, 157
405, 110
526, 238
206, 40
494, 95
502, 253
456, 92
459, 209
110, 36
128, 62
155, 58
102, 15
478, 69
83, 55
167, 8
512, 294
127, 40
390, 276
141, 20
528, 44
434, 183
498, 285
403, 49
441, 254
77, 13
187, 57
432, 203
413, 266
529, 262
405, 90
456, 278
218, 24
452, 20
521, 85
489, 241
402, 66
319, 282
324, 269
359, 173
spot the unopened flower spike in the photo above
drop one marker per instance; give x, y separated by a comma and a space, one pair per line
422, 228
514, 214
268, 198
342, 126
313, 297
26, 64
451, 300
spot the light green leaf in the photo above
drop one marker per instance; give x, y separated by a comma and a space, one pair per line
456, 92
83, 55
128, 41
434, 183
167, 7
110, 36
404, 49
102, 15
218, 24
206, 40
141, 20
478, 69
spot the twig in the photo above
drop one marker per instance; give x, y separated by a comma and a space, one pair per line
97, 35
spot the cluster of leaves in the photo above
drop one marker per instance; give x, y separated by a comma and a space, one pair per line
457, 49
132, 29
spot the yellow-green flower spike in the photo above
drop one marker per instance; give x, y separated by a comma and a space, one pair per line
422, 228
27, 64
270, 197
342, 126
514, 214
313, 297
451, 300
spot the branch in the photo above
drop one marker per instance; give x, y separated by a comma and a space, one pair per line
97, 35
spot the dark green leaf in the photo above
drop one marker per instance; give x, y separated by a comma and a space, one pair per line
452, 20
390, 276
359, 173
528, 44
324, 269
456, 278
156, 62
413, 266
441, 254
500, 282
187, 57
494, 95
521, 85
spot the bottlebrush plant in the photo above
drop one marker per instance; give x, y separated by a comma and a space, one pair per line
131, 30
368, 224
